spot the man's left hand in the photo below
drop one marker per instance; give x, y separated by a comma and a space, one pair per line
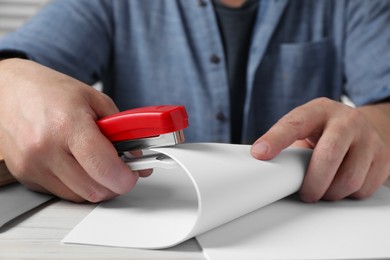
351, 156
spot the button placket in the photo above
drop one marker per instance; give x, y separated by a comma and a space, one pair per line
215, 59
202, 3
220, 116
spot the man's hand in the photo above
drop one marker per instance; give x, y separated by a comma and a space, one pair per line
351, 156
49, 138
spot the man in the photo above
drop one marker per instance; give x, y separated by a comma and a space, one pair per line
274, 80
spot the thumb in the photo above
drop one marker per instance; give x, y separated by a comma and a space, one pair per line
273, 142
261, 149
302, 122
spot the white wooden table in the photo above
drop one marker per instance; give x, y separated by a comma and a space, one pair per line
38, 235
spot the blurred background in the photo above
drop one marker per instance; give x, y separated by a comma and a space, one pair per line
14, 13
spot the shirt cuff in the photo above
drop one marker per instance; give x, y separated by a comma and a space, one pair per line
8, 54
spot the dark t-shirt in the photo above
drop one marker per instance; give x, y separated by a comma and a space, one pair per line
236, 26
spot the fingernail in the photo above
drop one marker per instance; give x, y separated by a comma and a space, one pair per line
307, 198
260, 148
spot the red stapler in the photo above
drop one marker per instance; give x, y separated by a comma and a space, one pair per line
144, 128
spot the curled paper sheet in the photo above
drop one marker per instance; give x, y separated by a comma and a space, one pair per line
215, 184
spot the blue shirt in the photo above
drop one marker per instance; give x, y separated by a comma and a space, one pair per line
150, 52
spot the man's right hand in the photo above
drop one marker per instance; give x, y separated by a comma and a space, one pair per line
49, 138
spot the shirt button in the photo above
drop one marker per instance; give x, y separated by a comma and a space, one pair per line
202, 3
215, 59
221, 116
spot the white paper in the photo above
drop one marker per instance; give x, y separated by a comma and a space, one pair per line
290, 229
215, 184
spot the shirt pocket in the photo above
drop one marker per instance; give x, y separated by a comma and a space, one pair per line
303, 70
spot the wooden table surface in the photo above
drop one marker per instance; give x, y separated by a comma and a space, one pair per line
38, 235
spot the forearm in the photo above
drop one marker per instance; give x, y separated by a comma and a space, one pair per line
79, 47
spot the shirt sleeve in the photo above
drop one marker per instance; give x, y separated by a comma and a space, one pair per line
73, 37
367, 51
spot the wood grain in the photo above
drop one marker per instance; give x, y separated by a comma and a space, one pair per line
37, 235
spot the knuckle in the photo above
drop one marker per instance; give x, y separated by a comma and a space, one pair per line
322, 101
64, 192
97, 166
343, 188
349, 123
84, 143
368, 189
329, 152
106, 100
61, 122
377, 182
385, 150
375, 142
354, 117
352, 184
346, 125
36, 144
25, 165
382, 150
19, 167
92, 194
104, 173
293, 122
361, 194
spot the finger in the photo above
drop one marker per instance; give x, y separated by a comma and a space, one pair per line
139, 153
351, 174
326, 159
299, 124
378, 173
302, 144
48, 183
72, 175
100, 160
40, 178
145, 173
